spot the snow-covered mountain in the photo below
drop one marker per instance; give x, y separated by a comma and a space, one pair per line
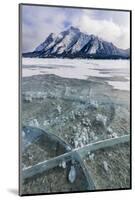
72, 43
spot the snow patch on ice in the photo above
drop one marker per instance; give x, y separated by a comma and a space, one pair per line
79, 69
106, 167
101, 118
72, 174
34, 122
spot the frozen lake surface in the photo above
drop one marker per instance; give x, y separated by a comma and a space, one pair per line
80, 69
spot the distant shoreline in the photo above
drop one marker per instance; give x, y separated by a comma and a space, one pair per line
27, 55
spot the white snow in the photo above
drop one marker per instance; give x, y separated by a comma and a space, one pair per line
91, 156
109, 129
101, 118
23, 134
63, 164
28, 98
34, 122
120, 85
79, 69
65, 44
94, 48
82, 41
59, 109
105, 166
46, 123
114, 135
72, 174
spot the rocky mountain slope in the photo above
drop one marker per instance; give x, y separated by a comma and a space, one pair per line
73, 43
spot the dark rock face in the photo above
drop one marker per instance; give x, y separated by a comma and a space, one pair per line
72, 43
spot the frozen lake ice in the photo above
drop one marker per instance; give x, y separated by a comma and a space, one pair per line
80, 69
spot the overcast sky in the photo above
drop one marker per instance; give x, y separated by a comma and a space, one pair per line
38, 22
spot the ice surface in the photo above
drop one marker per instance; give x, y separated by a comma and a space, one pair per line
120, 85
80, 69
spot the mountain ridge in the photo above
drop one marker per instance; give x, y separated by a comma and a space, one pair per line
72, 43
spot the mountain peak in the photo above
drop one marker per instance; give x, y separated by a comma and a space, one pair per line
51, 35
72, 43
74, 29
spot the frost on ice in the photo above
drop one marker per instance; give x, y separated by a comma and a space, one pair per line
23, 133
34, 122
72, 174
62, 164
101, 118
106, 167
